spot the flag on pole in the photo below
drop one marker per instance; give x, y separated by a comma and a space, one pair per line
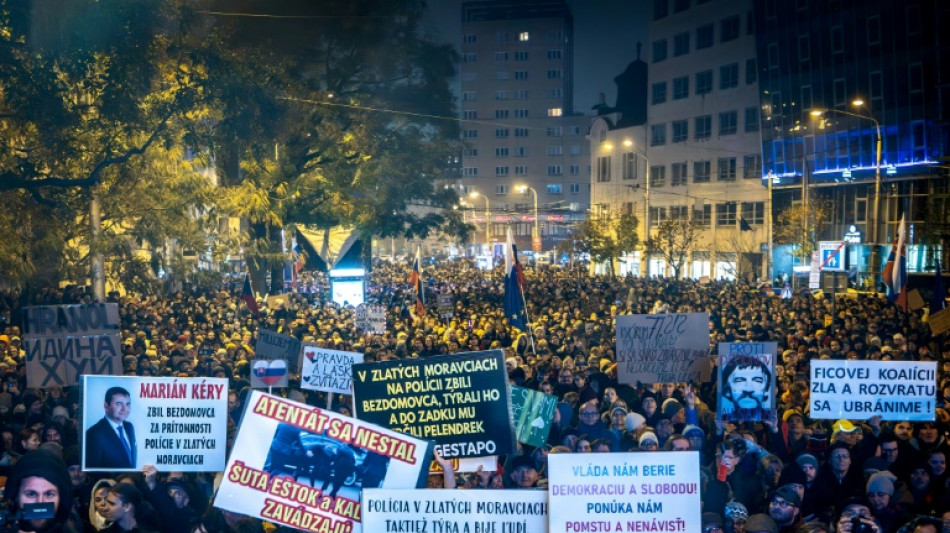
415, 279
939, 299
514, 279
895, 270
786, 292
247, 294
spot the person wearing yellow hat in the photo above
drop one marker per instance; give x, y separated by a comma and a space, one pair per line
844, 431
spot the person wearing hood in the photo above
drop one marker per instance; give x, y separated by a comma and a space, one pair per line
97, 504
40, 477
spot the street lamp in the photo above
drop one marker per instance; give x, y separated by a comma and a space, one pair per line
536, 234
875, 248
475, 194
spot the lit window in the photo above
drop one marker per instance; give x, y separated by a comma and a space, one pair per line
523, 36
555, 112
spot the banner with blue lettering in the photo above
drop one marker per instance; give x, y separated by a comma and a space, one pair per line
858, 390
747, 381
654, 491
63, 342
461, 401
304, 467
174, 424
662, 348
498, 511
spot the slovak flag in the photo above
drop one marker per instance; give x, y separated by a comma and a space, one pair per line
514, 284
415, 279
895, 270
247, 294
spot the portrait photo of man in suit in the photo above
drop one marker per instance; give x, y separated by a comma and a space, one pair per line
110, 442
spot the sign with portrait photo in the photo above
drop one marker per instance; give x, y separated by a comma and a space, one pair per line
175, 424
304, 467
747, 381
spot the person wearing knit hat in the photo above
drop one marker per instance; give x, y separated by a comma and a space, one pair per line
735, 515
884, 507
696, 436
760, 523
634, 420
41, 477
712, 523
809, 465
648, 442
673, 409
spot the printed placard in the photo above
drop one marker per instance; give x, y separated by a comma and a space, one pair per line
300, 466
662, 348
461, 401
747, 381
328, 370
533, 414
271, 346
497, 511
655, 491
175, 424
63, 342
858, 390
266, 374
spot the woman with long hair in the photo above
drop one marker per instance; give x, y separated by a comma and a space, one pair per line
97, 504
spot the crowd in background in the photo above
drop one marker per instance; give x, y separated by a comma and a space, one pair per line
789, 473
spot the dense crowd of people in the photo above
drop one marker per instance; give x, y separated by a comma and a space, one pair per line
788, 473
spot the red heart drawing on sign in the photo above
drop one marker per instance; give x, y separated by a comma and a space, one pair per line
270, 372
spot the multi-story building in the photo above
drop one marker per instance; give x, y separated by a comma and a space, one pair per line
855, 107
687, 116
522, 142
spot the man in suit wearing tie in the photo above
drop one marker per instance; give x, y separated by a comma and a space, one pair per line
110, 442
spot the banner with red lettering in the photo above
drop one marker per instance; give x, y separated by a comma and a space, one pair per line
653, 491
304, 467
175, 424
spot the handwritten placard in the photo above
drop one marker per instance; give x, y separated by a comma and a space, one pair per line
328, 370
63, 342
662, 348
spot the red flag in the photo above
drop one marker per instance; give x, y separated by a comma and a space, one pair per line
247, 294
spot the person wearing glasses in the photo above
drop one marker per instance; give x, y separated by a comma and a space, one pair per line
712, 523
784, 508
590, 424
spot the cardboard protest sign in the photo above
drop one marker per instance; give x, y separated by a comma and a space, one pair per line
272, 346
446, 304
655, 491
266, 374
328, 370
533, 414
489, 463
747, 381
662, 348
304, 467
371, 318
939, 321
498, 511
285, 299
461, 401
858, 390
175, 424
63, 342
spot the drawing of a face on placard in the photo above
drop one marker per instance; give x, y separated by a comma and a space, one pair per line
747, 383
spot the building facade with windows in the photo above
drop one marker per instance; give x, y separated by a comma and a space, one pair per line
518, 123
698, 140
836, 77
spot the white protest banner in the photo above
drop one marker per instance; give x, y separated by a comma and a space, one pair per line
275, 300
63, 342
489, 511
747, 381
328, 370
858, 390
662, 348
175, 424
371, 318
654, 491
300, 466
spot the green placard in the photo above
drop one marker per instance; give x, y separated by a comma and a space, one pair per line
533, 412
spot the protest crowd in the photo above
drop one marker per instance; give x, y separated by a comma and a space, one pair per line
785, 473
